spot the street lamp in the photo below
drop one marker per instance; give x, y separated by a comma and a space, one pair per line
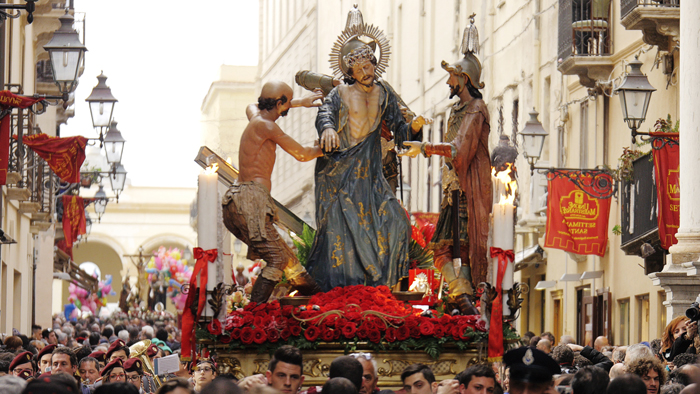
66, 53
28, 6
117, 178
114, 144
101, 103
100, 203
533, 139
635, 94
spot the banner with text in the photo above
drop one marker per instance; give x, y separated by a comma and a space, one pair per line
9, 100
65, 155
577, 219
667, 166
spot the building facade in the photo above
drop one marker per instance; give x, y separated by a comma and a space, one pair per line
563, 58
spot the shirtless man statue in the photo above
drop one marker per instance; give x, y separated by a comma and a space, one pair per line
248, 209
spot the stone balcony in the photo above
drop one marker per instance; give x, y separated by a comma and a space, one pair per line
659, 20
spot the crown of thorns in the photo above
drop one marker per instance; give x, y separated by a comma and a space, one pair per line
358, 56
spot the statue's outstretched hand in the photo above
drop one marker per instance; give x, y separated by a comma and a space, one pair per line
420, 121
413, 149
311, 100
329, 140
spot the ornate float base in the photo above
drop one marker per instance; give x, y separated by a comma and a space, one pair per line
317, 362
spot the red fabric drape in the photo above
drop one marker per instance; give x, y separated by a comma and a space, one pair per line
9, 100
65, 156
576, 222
201, 267
667, 170
73, 219
496, 323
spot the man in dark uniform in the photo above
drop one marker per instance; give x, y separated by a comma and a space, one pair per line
531, 371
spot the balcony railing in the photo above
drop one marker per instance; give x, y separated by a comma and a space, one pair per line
584, 28
627, 6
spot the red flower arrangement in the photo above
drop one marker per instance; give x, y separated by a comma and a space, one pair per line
347, 315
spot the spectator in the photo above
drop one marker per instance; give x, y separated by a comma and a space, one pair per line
221, 385
684, 358
527, 337
12, 385
205, 372
49, 336
116, 388
564, 356
339, 386
284, 372
147, 332
655, 346
651, 371
124, 335
534, 341
347, 367
637, 351
13, 344
107, 332
677, 337
5, 360
600, 343
566, 339
531, 371
89, 371
618, 354
672, 388
627, 384
477, 379
174, 386
590, 380
549, 336
589, 355
36, 332
369, 372
544, 345
418, 379
617, 370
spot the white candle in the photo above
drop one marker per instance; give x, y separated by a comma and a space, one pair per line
503, 229
207, 223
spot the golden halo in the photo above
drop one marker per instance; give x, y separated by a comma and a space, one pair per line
358, 31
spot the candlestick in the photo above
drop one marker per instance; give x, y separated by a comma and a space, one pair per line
503, 229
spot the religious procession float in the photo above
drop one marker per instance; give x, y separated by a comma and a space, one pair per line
366, 279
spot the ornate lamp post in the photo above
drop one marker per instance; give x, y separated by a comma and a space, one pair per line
66, 53
114, 144
533, 139
101, 103
635, 94
101, 201
117, 178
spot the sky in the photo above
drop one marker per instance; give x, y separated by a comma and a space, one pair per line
160, 57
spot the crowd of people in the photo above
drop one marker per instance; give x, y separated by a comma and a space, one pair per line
88, 356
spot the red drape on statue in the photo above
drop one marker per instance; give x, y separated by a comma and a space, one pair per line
667, 167
9, 100
65, 156
73, 219
496, 323
201, 268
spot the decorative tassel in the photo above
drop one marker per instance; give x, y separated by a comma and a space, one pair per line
354, 18
470, 40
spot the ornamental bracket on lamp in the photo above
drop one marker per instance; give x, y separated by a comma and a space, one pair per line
29, 7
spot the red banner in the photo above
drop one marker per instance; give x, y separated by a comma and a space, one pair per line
667, 167
73, 218
65, 156
496, 324
8, 101
577, 222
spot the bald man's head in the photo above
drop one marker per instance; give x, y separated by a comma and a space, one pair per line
600, 343
275, 93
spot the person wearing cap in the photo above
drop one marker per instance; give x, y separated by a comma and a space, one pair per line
119, 350
531, 370
113, 372
152, 352
22, 366
99, 356
204, 373
44, 358
134, 375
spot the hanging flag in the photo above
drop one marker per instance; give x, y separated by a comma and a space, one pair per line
578, 207
65, 155
9, 100
667, 167
73, 218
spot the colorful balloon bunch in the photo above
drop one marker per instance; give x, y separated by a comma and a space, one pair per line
169, 268
82, 302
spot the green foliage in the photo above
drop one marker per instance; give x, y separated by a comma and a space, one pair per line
625, 168
617, 230
303, 243
421, 255
666, 125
